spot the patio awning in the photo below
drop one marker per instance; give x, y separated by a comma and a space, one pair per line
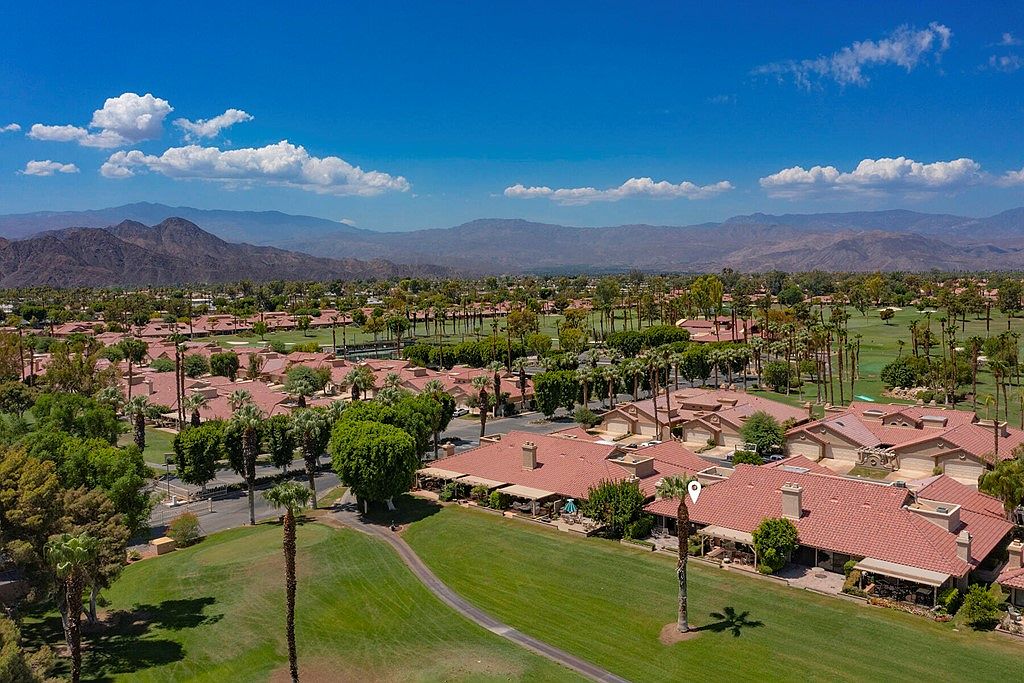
902, 571
727, 534
480, 481
519, 491
438, 473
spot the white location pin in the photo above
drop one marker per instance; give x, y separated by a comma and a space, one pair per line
694, 488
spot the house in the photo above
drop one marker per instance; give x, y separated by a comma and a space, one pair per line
719, 329
915, 441
1012, 576
547, 467
698, 416
932, 536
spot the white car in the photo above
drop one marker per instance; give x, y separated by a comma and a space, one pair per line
459, 412
652, 442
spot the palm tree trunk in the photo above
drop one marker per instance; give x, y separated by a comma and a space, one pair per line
683, 533
289, 570
73, 589
311, 463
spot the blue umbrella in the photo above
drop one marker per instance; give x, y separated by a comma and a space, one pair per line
570, 506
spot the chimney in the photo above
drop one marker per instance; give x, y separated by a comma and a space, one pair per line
810, 410
449, 449
792, 500
963, 546
1016, 550
529, 456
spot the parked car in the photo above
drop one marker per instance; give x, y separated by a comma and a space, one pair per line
652, 442
459, 412
775, 458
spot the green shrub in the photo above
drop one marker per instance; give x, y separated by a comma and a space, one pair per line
848, 567
279, 347
640, 528
980, 608
450, 491
926, 396
499, 500
162, 365
479, 492
747, 457
949, 600
586, 417
774, 540
851, 586
184, 529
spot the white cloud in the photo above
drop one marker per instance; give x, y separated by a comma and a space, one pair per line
44, 168
634, 187
1005, 63
348, 221
875, 176
123, 120
209, 128
282, 164
904, 47
10, 128
1011, 178
1008, 40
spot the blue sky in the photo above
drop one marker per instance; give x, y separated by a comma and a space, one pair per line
411, 115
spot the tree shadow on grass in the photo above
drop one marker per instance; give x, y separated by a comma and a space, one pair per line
730, 620
121, 643
409, 509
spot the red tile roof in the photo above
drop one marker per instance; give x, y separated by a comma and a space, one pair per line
849, 516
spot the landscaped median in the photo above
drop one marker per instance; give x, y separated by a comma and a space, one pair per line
608, 603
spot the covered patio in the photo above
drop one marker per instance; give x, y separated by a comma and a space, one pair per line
730, 546
900, 582
434, 478
531, 501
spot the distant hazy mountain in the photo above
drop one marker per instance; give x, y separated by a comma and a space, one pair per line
854, 241
171, 252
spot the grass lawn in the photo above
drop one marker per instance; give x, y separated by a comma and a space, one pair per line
868, 472
158, 443
215, 612
608, 603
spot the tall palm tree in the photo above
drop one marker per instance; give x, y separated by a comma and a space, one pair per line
250, 418
361, 380
520, 368
70, 555
136, 410
434, 387
675, 487
292, 497
496, 367
480, 383
311, 427
193, 404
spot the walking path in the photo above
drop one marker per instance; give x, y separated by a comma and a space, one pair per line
349, 515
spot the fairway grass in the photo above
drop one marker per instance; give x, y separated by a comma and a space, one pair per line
608, 603
215, 612
158, 444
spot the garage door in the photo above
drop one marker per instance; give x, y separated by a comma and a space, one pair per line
964, 471
731, 439
697, 435
841, 453
617, 426
647, 430
917, 463
806, 448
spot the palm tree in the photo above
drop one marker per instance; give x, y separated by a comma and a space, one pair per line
360, 379
292, 497
69, 555
496, 367
988, 401
480, 383
310, 426
434, 388
520, 367
134, 351
675, 487
136, 409
193, 404
239, 398
250, 418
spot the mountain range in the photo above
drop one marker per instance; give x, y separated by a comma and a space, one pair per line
853, 241
173, 251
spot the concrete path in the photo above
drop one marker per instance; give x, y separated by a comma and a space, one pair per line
348, 515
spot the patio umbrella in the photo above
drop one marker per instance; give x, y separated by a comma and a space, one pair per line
570, 507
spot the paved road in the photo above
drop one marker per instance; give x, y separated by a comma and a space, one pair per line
349, 516
231, 509
465, 433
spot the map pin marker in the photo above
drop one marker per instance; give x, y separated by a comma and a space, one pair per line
694, 488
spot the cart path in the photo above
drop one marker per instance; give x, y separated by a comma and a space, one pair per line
348, 514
